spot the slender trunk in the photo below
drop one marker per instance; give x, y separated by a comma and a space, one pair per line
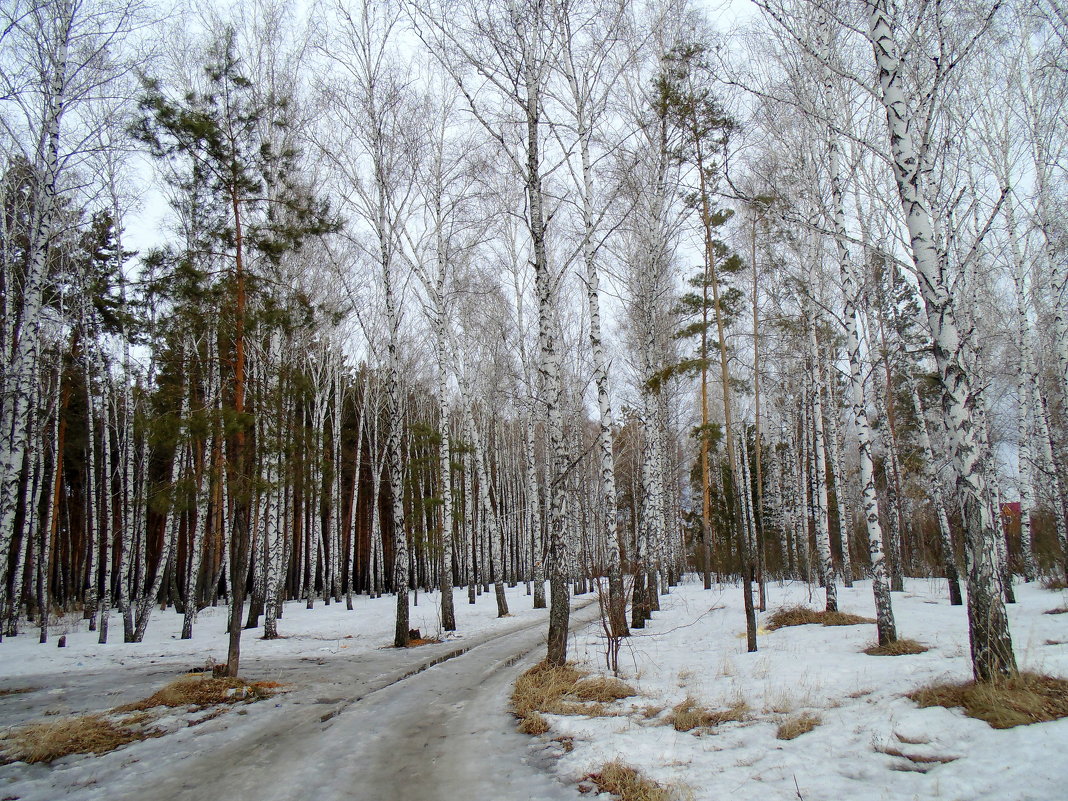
819, 469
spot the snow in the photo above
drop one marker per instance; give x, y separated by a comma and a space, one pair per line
323, 633
327, 660
696, 647
329, 657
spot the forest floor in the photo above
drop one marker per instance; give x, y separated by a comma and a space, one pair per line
354, 718
868, 742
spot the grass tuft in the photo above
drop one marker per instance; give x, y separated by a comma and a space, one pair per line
533, 723
603, 689
797, 725
540, 688
1016, 701
689, 715
563, 691
902, 647
88, 734
202, 691
628, 784
802, 616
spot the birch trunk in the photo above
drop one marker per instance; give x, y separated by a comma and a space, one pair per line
22, 369
991, 644
819, 469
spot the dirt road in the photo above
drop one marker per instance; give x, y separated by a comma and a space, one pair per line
387, 726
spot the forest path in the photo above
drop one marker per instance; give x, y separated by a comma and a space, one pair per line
383, 728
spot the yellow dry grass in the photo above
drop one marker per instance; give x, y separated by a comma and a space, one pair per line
689, 715
1016, 701
802, 616
563, 690
603, 689
901, 647
797, 725
202, 691
88, 734
540, 688
533, 723
628, 784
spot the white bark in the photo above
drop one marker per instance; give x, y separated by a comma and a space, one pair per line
992, 654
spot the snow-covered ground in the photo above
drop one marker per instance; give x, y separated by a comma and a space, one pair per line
325, 632
696, 647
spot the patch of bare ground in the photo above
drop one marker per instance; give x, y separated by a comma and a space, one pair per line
563, 690
1015, 701
797, 725
16, 691
626, 783
689, 715
802, 616
901, 647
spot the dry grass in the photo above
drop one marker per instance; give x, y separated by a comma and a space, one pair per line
628, 784
1060, 610
797, 725
802, 616
902, 647
1054, 583
533, 723
541, 688
415, 642
88, 734
1017, 701
603, 689
201, 691
563, 691
566, 743
689, 715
